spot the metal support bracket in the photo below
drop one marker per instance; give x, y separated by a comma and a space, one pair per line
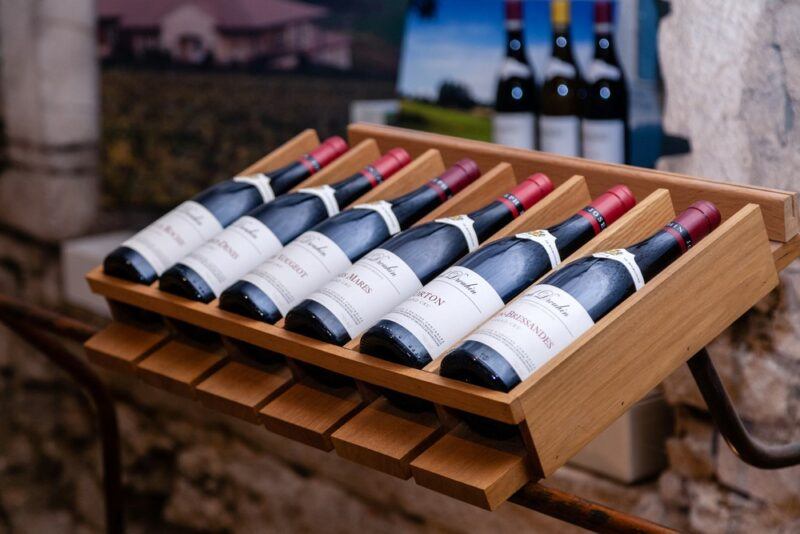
748, 448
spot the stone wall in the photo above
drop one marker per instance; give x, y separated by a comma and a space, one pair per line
732, 75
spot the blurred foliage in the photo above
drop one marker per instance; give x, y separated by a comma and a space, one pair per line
167, 135
473, 124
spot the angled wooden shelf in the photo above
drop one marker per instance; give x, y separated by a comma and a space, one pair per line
558, 409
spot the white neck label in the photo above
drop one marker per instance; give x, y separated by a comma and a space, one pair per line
301, 267
231, 254
327, 195
449, 307
261, 182
559, 67
548, 243
534, 328
174, 235
600, 70
369, 289
384, 209
467, 227
628, 260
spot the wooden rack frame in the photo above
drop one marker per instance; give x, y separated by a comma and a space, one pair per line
559, 409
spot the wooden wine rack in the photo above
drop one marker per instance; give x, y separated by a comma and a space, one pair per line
558, 410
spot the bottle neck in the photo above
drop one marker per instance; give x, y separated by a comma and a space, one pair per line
655, 253
604, 48
572, 234
491, 218
285, 178
351, 188
515, 43
412, 206
562, 44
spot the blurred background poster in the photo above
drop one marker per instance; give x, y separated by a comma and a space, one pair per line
193, 91
457, 53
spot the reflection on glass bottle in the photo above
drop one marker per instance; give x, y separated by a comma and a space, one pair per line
559, 124
514, 122
605, 115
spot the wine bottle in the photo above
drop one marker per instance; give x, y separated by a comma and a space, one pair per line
605, 115
550, 315
262, 233
465, 295
331, 247
559, 123
146, 255
516, 102
355, 299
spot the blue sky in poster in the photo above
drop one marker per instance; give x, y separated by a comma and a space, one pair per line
465, 42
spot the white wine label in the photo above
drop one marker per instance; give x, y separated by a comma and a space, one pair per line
301, 267
628, 260
384, 209
467, 227
261, 182
447, 308
374, 285
231, 254
548, 243
514, 129
600, 70
559, 67
327, 195
534, 328
560, 135
604, 140
174, 235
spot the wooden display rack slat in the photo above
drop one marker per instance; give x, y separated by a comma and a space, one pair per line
559, 408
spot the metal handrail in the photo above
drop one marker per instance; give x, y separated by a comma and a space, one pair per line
748, 448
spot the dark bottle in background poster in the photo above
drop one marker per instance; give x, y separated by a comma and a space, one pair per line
604, 128
516, 101
559, 123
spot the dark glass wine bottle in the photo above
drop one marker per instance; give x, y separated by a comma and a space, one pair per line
527, 333
550, 315
516, 101
604, 127
262, 233
355, 299
145, 256
559, 122
460, 299
331, 247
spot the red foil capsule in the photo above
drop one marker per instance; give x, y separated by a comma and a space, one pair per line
608, 207
329, 150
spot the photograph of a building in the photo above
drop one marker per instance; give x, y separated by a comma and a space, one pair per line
274, 34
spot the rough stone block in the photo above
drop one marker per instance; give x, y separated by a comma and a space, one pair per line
49, 208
